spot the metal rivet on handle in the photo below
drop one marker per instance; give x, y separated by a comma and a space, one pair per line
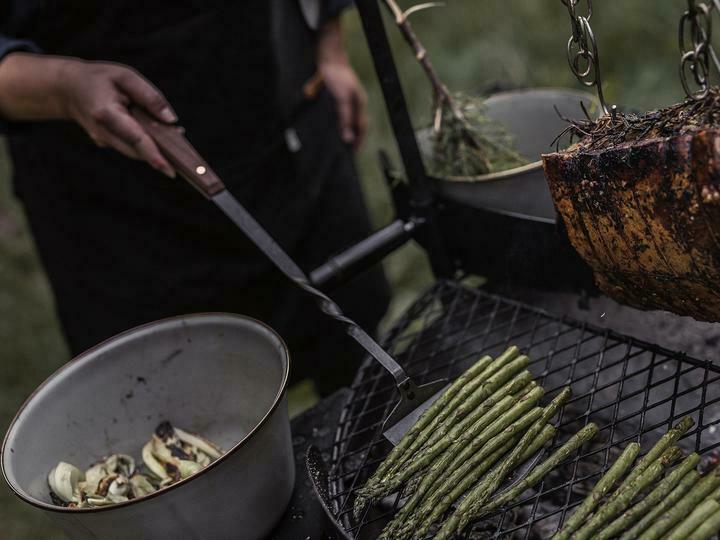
200, 169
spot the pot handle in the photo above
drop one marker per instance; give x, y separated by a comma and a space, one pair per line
180, 153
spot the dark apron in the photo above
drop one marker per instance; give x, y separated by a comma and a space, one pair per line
123, 245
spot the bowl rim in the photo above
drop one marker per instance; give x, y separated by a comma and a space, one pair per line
83, 357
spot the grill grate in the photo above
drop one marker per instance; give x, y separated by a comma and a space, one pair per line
631, 389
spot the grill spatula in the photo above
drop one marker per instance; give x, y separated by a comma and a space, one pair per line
414, 399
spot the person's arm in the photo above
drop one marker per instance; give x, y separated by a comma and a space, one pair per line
340, 79
96, 95
8, 45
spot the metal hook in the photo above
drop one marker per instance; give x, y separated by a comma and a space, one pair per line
696, 50
582, 51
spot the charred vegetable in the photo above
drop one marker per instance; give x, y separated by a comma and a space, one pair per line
606, 483
171, 455
670, 506
474, 437
655, 498
469, 511
63, 481
178, 453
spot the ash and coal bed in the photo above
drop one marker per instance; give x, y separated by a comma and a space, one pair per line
632, 390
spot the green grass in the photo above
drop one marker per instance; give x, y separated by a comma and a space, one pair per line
475, 45
30, 341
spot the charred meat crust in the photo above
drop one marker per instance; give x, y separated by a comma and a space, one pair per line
645, 216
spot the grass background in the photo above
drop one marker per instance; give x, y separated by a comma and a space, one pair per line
476, 45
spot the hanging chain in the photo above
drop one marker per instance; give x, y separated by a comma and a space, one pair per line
695, 40
582, 51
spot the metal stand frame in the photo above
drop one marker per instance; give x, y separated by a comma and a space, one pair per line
418, 220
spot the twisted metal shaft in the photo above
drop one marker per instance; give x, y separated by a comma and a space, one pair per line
330, 308
265, 243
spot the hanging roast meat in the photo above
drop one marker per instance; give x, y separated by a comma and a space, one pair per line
645, 215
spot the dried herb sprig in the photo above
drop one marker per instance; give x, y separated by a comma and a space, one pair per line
465, 141
471, 145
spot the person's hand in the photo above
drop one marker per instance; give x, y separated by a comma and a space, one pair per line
97, 95
350, 100
342, 82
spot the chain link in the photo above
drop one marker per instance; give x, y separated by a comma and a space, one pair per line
582, 51
696, 50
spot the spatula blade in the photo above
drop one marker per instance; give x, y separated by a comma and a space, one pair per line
409, 409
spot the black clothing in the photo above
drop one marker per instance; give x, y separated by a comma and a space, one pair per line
123, 245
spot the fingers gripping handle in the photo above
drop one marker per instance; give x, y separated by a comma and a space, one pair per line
180, 153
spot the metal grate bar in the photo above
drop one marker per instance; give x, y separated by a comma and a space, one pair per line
633, 390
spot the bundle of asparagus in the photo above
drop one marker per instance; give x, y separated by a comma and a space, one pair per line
473, 437
681, 505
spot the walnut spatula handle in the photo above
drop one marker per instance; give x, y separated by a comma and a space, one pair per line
180, 153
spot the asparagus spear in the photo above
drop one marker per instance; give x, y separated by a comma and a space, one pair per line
650, 502
622, 498
694, 520
462, 473
458, 484
478, 393
661, 446
440, 404
484, 414
665, 442
456, 441
692, 498
508, 409
476, 499
606, 483
715, 495
499, 408
562, 453
471, 395
708, 529
466, 454
412, 485
688, 481
483, 430
513, 386
402, 524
